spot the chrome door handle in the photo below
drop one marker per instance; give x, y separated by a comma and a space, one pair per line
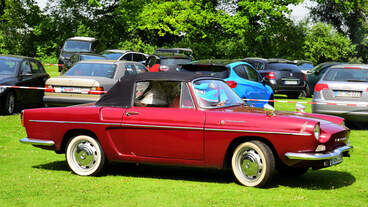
132, 113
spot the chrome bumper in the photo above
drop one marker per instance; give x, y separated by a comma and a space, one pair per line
318, 156
27, 140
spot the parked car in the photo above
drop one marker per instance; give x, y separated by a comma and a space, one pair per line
284, 76
240, 76
87, 81
164, 118
20, 71
115, 54
79, 57
168, 59
314, 75
342, 91
304, 65
76, 45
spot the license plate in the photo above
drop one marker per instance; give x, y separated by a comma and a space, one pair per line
291, 82
67, 90
350, 94
336, 160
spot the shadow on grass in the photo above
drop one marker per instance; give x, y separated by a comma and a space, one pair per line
312, 180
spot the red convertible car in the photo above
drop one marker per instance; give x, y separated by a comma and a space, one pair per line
190, 120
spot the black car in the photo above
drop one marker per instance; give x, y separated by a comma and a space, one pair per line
78, 57
20, 71
76, 45
283, 75
168, 59
115, 54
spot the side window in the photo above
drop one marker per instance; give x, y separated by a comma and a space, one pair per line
130, 69
252, 74
239, 70
186, 100
157, 94
34, 67
137, 57
26, 67
128, 57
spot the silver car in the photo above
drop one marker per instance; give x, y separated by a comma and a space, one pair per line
87, 81
343, 91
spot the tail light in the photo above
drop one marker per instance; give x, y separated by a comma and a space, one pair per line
164, 68
97, 91
22, 118
232, 84
320, 86
270, 75
49, 89
304, 77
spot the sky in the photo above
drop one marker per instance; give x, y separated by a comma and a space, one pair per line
299, 11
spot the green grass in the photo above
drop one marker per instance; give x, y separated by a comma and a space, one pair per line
34, 177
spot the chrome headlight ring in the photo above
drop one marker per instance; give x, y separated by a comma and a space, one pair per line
317, 131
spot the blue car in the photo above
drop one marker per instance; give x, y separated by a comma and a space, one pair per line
240, 76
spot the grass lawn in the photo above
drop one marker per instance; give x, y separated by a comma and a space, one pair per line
34, 177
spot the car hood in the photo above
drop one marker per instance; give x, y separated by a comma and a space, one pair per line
5, 79
81, 81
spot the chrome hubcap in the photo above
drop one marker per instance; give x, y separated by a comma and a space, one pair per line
250, 164
85, 154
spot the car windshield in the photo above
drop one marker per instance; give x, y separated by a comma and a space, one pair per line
282, 66
112, 56
8, 67
77, 46
92, 57
215, 94
346, 75
92, 69
175, 61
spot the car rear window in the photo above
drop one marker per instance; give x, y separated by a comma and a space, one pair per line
346, 75
282, 66
175, 61
208, 70
8, 67
92, 69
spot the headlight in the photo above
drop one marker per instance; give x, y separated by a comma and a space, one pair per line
2, 89
317, 131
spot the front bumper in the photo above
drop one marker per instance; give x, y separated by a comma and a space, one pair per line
341, 151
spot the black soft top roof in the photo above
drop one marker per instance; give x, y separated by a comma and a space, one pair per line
121, 94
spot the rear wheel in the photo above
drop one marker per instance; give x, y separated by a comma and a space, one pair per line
9, 104
253, 163
293, 95
85, 155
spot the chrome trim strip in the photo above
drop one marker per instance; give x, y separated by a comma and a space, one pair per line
165, 127
260, 132
318, 156
27, 140
73, 122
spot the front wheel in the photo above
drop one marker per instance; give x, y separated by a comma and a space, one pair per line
85, 155
253, 163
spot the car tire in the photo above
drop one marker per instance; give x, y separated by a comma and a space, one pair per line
287, 171
85, 156
10, 103
253, 164
293, 95
306, 92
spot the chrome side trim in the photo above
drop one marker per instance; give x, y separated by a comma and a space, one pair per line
260, 132
162, 127
27, 140
318, 156
73, 122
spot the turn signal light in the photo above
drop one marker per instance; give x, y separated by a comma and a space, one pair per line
321, 86
270, 75
232, 84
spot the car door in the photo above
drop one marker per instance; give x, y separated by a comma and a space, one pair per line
164, 130
25, 78
39, 78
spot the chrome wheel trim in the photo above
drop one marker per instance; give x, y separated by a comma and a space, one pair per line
84, 155
11, 103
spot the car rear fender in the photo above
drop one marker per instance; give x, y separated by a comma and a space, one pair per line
72, 133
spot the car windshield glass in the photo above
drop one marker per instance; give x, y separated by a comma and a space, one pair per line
112, 56
306, 66
346, 75
208, 70
92, 69
215, 94
8, 67
77, 46
282, 66
92, 57
174, 61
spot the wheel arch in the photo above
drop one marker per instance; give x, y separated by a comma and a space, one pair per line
72, 133
238, 140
